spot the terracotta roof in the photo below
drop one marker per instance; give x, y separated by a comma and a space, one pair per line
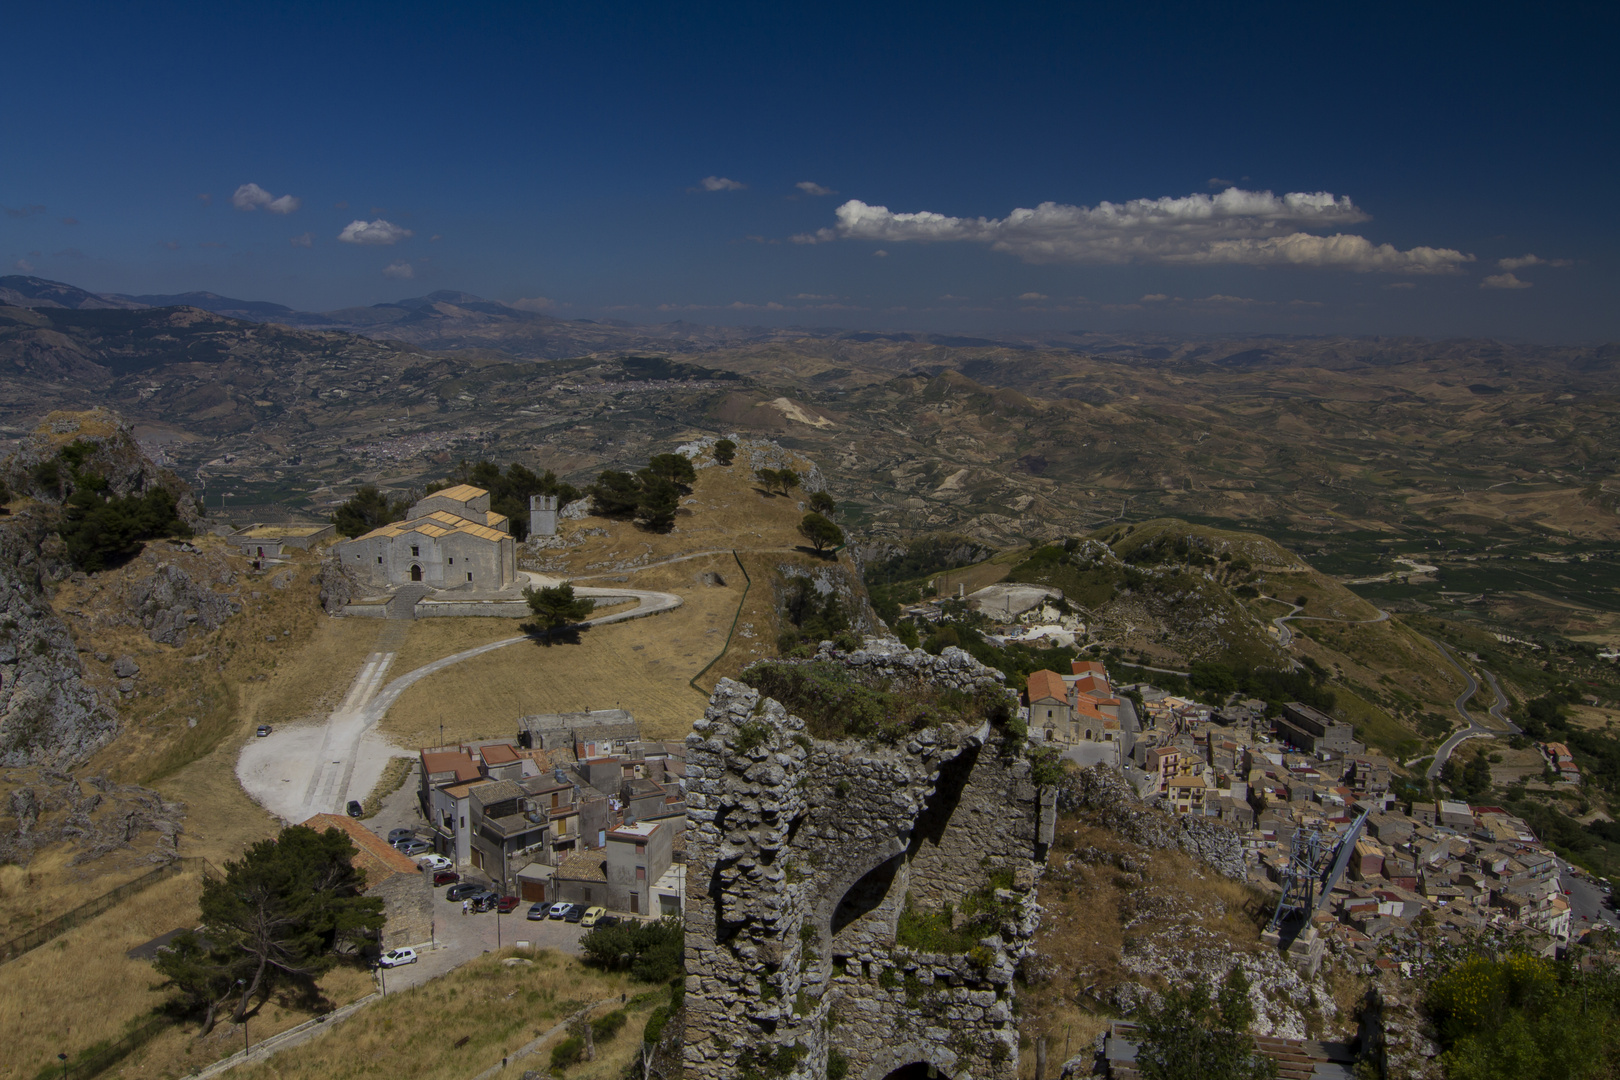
444, 761
460, 493
498, 754
582, 866
375, 858
437, 524
1080, 667
1044, 685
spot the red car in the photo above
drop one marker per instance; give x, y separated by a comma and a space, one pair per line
446, 877
506, 904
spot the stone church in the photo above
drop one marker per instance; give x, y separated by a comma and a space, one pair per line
450, 539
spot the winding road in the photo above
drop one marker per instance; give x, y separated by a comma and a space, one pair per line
295, 776
1475, 729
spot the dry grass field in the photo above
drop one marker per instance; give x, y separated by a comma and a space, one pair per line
81, 989
496, 1005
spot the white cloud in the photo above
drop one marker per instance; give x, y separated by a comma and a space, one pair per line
206, 198
1033, 296
376, 233
820, 236
399, 269
534, 303
1504, 281
1252, 228
1221, 298
252, 196
812, 296
880, 254
810, 187
303, 240
719, 183
24, 265
1154, 298
1522, 261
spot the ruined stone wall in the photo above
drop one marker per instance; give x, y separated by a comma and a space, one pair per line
802, 854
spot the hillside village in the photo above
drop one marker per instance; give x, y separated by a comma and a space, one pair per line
546, 827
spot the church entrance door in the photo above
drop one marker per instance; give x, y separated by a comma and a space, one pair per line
416, 572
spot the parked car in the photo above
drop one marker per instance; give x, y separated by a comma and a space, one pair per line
608, 920
416, 847
435, 863
592, 916
466, 890
396, 835
559, 909
537, 911
507, 905
264, 729
397, 958
446, 877
576, 912
355, 809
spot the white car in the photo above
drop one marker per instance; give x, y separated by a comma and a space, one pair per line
397, 958
559, 909
434, 863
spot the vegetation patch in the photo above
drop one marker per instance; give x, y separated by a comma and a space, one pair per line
837, 702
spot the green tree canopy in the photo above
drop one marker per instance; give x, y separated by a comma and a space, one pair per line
615, 494
725, 451
1194, 1035
557, 607
822, 503
658, 502
821, 532
650, 952
283, 913
100, 531
509, 492
673, 467
781, 480
367, 509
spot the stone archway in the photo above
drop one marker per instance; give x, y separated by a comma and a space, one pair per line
416, 572
917, 1070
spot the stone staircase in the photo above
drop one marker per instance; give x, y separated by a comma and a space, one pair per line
403, 603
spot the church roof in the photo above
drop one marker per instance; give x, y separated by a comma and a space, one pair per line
460, 493
437, 524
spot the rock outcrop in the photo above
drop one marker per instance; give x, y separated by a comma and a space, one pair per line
96, 816
1103, 797
48, 714
804, 855
169, 604
338, 586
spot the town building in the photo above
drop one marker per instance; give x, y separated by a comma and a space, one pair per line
450, 539
1314, 731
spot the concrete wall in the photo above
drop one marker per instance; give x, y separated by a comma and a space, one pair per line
622, 861
408, 905
800, 857
473, 509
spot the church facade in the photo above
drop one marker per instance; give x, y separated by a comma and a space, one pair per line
450, 539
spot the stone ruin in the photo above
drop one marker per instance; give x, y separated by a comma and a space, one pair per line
802, 855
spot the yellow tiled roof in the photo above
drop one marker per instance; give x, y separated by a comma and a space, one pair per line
437, 524
492, 519
461, 492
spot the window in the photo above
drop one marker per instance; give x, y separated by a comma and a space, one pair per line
379, 560
641, 849
641, 871
415, 550
469, 575
451, 561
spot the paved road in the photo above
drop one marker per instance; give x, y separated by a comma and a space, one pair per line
1588, 903
1285, 636
301, 771
1475, 729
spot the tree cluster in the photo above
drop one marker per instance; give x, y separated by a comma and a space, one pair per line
777, 481
650, 951
509, 492
101, 531
1196, 1034
651, 496
282, 915
811, 617
820, 531
367, 509
725, 452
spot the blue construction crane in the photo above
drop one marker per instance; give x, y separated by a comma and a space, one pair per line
1306, 882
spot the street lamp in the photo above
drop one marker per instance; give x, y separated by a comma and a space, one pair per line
63, 1059
246, 1044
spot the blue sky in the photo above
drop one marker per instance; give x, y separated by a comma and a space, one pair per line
858, 165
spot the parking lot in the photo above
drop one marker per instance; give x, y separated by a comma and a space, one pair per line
457, 938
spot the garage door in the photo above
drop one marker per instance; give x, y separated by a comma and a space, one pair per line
534, 890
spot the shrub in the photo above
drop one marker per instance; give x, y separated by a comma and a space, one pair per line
837, 703
568, 1052
604, 1028
100, 532
650, 952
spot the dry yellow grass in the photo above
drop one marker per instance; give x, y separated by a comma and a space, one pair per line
81, 989
499, 1008
642, 665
